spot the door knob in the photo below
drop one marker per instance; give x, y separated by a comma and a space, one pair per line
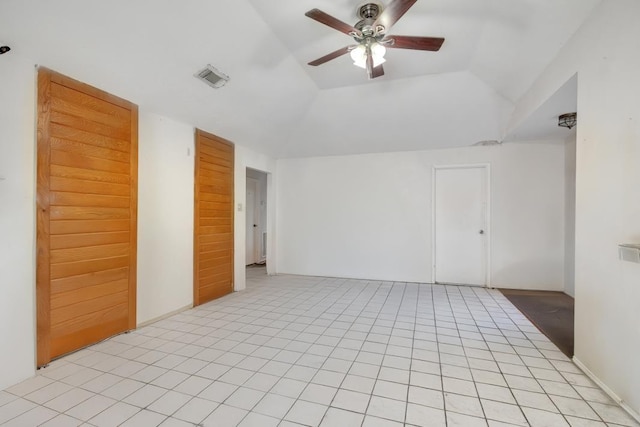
481, 231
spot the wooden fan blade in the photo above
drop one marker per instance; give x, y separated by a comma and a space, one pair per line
417, 43
326, 19
393, 12
377, 72
330, 56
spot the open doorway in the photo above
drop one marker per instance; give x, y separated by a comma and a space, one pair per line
256, 219
553, 312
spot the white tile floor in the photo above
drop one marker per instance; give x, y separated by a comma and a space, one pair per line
293, 351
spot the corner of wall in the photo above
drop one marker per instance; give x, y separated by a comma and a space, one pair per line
17, 220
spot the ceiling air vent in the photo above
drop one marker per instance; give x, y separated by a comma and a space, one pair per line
211, 76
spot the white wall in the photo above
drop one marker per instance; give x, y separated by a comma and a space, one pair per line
17, 220
165, 216
570, 216
369, 216
604, 53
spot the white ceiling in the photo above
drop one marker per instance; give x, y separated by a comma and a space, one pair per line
148, 50
542, 124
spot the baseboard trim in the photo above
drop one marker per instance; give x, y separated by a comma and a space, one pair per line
165, 316
606, 389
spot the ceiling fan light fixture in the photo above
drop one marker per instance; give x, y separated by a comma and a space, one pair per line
359, 55
378, 51
370, 34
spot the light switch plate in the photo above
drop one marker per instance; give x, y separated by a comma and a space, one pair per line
629, 252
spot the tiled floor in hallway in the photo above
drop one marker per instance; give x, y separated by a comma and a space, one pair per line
293, 351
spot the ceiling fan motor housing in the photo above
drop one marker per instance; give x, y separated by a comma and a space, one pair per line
368, 13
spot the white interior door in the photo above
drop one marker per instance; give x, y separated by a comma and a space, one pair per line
251, 226
460, 225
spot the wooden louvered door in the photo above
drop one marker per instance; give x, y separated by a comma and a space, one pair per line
86, 213
213, 225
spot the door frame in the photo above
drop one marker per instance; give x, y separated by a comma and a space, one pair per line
257, 244
487, 252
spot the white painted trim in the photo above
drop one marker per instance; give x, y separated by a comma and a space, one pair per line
270, 197
165, 316
487, 168
256, 214
433, 224
606, 389
488, 224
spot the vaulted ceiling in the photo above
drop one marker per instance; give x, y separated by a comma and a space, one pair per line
148, 51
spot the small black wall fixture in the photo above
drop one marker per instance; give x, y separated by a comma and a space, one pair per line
568, 120
4, 49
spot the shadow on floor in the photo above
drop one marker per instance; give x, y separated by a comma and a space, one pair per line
551, 312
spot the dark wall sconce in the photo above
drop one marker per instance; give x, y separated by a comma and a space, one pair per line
568, 120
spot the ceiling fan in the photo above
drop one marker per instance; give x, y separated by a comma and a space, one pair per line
370, 34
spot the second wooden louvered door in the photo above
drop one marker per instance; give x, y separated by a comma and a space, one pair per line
213, 225
87, 213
